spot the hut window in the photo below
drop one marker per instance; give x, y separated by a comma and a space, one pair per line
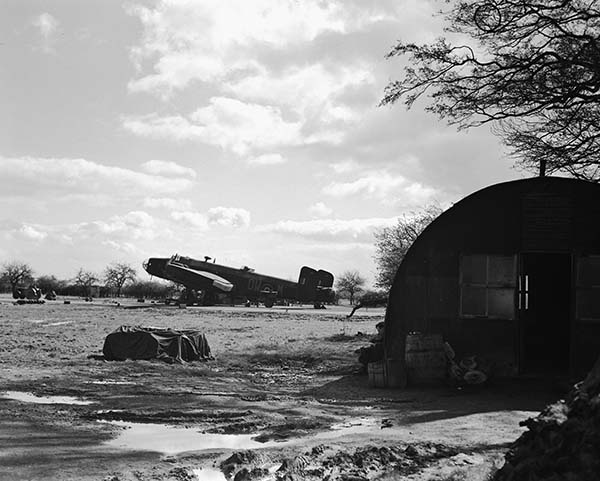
588, 288
487, 286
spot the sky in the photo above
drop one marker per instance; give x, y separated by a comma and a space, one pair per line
247, 131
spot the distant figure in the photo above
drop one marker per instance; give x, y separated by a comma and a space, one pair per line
374, 352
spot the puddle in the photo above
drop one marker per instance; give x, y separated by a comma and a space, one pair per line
209, 474
174, 440
30, 398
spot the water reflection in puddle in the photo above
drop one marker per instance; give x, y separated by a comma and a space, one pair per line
173, 440
209, 474
30, 398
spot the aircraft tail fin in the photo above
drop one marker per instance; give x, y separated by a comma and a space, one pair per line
315, 286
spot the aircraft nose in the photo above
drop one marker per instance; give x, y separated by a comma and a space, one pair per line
146, 264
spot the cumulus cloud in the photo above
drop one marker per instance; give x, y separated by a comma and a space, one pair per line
168, 168
125, 247
330, 229
383, 186
312, 91
174, 127
205, 40
320, 209
215, 216
419, 194
266, 159
193, 219
229, 217
344, 166
240, 125
167, 203
121, 229
32, 233
225, 122
135, 224
238, 49
374, 184
47, 26
80, 176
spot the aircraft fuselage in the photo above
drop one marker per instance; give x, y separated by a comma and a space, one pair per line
201, 275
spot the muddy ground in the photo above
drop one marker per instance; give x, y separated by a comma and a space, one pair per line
281, 400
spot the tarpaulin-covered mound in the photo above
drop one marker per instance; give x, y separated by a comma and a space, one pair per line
135, 342
563, 441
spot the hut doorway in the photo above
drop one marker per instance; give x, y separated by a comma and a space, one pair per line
544, 312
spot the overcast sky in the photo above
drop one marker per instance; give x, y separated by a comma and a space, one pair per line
244, 130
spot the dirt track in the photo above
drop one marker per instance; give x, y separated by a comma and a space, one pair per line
283, 380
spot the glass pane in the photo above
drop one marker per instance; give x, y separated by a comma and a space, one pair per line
473, 301
588, 272
474, 269
501, 303
501, 271
588, 303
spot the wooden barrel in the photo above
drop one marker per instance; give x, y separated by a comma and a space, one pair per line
376, 373
425, 358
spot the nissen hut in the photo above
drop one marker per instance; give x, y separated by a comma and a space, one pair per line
511, 273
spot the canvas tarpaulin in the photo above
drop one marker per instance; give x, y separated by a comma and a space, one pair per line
135, 342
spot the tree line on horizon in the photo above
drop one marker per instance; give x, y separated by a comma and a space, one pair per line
116, 280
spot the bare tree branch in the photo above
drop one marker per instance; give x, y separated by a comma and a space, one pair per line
532, 71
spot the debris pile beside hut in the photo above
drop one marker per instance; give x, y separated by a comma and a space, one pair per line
563, 441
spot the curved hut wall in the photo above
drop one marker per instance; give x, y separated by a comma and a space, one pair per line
510, 273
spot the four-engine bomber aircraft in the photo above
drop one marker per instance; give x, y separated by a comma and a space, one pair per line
209, 279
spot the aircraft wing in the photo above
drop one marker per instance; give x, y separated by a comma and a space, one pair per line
197, 279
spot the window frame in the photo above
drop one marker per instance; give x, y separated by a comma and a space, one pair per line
487, 285
581, 287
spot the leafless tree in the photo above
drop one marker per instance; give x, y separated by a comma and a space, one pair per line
118, 274
15, 273
531, 70
85, 281
350, 282
50, 283
392, 243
